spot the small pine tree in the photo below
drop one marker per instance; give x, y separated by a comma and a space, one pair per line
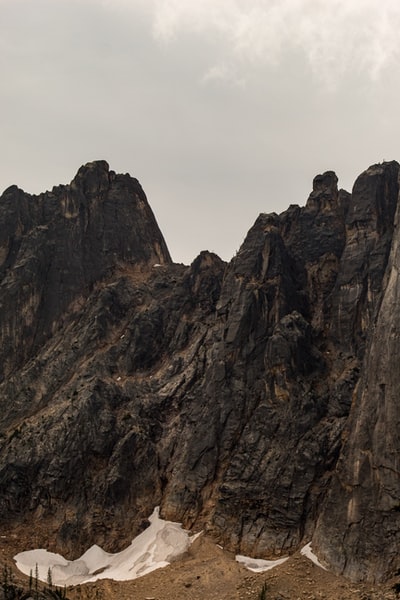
263, 592
30, 581
36, 581
5, 581
49, 578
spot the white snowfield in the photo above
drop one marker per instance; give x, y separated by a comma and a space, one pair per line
156, 547
307, 551
162, 542
258, 565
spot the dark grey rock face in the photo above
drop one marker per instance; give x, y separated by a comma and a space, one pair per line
221, 392
359, 529
55, 247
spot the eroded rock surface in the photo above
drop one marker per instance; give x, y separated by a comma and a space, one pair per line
220, 391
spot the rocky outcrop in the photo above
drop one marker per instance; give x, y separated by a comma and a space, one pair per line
56, 247
220, 391
359, 529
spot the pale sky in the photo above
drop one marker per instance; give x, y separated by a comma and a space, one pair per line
221, 108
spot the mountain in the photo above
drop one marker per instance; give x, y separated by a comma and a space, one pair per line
256, 400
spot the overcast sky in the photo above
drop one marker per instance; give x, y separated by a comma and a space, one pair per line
221, 108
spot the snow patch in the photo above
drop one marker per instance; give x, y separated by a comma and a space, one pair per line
258, 565
307, 551
155, 547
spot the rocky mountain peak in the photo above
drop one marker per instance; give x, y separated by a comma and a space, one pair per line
324, 195
326, 181
256, 400
55, 247
94, 177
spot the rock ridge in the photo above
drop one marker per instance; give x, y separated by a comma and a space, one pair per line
251, 399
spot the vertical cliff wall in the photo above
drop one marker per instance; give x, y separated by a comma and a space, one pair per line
358, 532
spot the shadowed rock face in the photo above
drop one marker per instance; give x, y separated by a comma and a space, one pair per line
359, 529
220, 391
54, 248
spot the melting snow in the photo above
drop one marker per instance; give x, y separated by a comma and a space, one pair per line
307, 551
258, 565
155, 547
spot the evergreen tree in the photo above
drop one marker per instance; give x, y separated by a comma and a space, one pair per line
36, 581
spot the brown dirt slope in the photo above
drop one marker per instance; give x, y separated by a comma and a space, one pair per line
207, 572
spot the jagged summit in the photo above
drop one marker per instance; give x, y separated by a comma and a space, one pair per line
55, 247
255, 400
